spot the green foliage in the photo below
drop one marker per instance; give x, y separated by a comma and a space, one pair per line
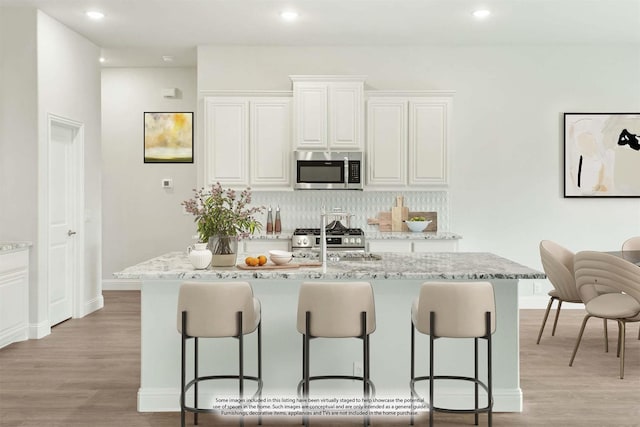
222, 212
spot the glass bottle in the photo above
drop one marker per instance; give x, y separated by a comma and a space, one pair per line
269, 221
278, 224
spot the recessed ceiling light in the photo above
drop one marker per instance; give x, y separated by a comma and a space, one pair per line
289, 15
102, 59
95, 14
167, 58
481, 13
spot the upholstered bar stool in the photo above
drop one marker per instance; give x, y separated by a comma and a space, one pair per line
216, 310
454, 310
335, 310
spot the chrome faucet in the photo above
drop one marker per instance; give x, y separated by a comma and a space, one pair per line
323, 239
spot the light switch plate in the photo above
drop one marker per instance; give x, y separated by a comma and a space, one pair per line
167, 183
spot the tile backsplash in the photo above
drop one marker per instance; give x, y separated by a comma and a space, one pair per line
302, 208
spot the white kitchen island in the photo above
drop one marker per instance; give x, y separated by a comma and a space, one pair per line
396, 279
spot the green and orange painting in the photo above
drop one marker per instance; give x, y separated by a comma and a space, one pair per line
168, 137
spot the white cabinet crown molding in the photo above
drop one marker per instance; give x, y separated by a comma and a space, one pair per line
409, 93
327, 78
244, 92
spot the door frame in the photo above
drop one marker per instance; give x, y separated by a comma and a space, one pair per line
77, 293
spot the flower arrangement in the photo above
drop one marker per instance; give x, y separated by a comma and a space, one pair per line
221, 212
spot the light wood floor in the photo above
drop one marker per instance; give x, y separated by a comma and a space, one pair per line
86, 373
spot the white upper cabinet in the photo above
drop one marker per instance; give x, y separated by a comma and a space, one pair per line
328, 112
428, 140
407, 138
270, 142
226, 140
386, 142
247, 141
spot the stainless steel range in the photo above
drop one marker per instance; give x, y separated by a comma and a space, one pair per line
339, 238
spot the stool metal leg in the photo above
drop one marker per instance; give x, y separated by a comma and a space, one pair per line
432, 331
475, 376
306, 370
260, 371
195, 375
183, 368
489, 369
365, 362
413, 370
240, 364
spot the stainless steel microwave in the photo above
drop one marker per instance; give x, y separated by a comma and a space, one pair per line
324, 170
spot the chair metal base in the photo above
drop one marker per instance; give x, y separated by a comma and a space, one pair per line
368, 388
185, 387
487, 387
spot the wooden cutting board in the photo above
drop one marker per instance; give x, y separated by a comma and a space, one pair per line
383, 221
279, 267
433, 216
399, 213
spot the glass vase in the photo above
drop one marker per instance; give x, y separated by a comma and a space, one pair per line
224, 250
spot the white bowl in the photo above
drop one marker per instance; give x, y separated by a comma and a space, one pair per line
417, 226
278, 253
280, 260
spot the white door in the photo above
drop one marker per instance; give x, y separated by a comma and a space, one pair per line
62, 221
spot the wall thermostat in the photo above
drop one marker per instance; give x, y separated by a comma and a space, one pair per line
167, 183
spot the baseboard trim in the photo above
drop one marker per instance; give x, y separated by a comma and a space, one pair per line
120, 285
93, 305
14, 334
39, 330
541, 301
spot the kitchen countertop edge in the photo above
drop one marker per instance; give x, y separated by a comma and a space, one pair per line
411, 266
8, 247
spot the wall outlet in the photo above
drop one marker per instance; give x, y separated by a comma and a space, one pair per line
167, 183
357, 369
537, 288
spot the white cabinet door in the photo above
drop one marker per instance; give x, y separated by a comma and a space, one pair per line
445, 245
428, 138
402, 246
14, 304
262, 247
345, 116
386, 142
226, 140
270, 142
328, 112
310, 115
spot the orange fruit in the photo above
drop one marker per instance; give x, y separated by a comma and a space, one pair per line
262, 260
247, 260
251, 261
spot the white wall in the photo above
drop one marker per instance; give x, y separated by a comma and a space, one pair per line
141, 219
19, 134
506, 175
69, 86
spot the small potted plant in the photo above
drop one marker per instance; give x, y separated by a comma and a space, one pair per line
222, 217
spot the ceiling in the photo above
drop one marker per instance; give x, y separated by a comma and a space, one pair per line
140, 32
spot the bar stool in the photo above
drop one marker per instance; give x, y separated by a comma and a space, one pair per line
454, 310
336, 310
216, 310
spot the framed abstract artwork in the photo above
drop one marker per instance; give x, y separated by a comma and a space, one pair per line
602, 155
168, 137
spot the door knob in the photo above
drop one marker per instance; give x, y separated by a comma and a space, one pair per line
70, 233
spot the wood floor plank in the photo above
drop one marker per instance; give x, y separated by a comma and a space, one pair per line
86, 373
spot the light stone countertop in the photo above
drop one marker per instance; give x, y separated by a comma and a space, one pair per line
444, 265
408, 235
6, 247
371, 235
